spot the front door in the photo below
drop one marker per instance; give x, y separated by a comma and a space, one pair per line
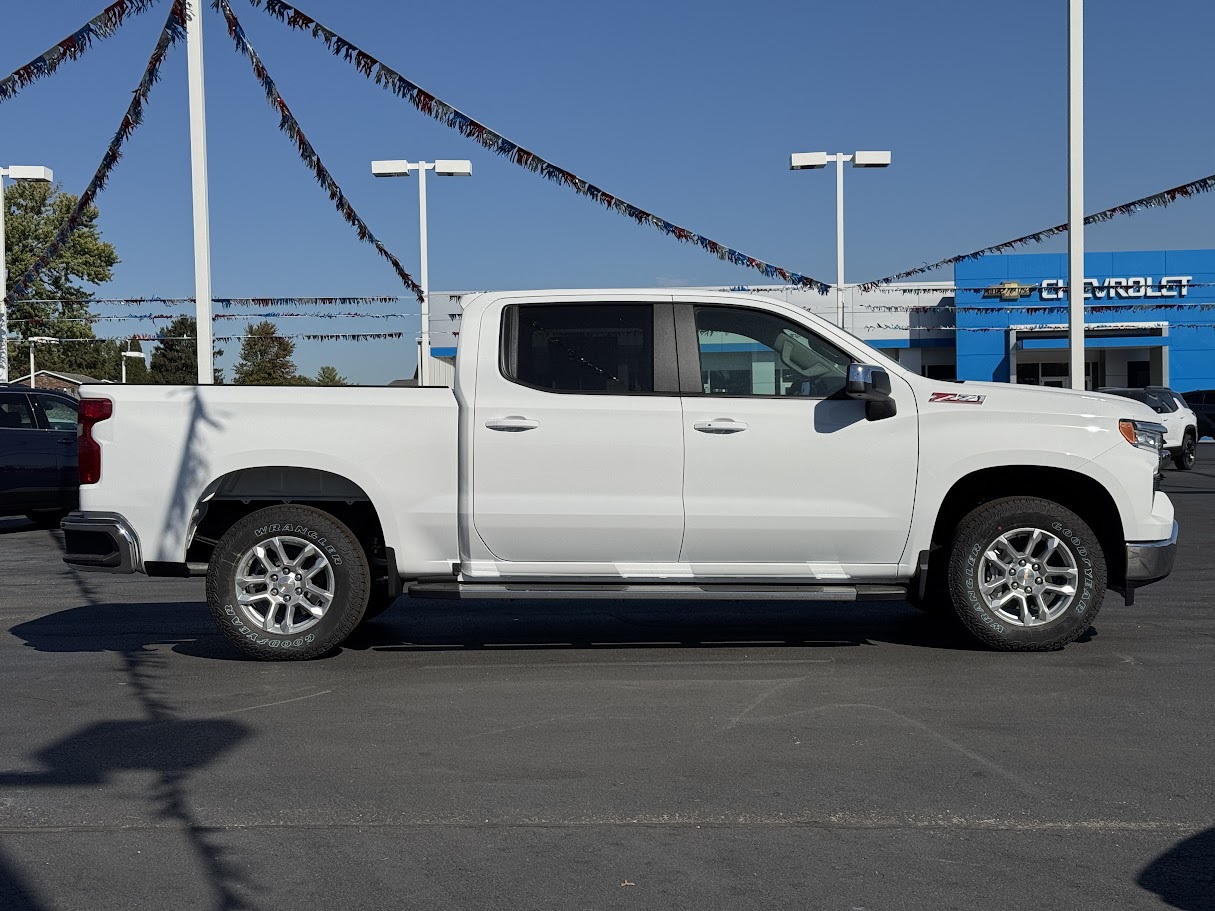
577, 447
784, 474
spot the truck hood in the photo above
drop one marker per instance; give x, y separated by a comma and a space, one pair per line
1050, 400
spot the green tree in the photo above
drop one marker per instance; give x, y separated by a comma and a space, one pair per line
328, 376
175, 357
266, 358
33, 214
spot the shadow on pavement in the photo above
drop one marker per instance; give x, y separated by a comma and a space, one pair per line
12, 524
419, 625
1184, 876
169, 747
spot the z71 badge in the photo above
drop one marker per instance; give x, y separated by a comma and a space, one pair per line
957, 398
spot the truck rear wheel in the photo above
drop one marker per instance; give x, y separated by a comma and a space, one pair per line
1026, 574
288, 583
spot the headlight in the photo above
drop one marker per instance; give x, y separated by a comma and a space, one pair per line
1143, 434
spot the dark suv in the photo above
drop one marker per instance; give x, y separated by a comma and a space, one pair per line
38, 476
1203, 403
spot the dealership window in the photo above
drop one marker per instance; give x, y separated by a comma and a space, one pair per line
589, 348
750, 352
944, 372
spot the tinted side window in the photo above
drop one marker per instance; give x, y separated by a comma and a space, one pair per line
590, 348
60, 415
15, 412
750, 352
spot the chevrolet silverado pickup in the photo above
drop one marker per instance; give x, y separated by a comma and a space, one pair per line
622, 445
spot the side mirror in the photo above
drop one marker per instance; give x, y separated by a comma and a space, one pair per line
871, 385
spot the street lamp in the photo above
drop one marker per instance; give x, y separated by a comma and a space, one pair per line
16, 172
125, 355
38, 340
799, 161
443, 167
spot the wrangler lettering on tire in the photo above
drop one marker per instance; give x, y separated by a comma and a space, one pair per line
1026, 574
288, 583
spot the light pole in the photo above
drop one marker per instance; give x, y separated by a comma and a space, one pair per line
1075, 193
125, 355
38, 340
16, 172
799, 161
443, 168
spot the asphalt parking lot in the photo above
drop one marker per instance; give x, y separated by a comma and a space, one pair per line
566, 756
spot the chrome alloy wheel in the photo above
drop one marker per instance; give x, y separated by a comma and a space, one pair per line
284, 585
1028, 577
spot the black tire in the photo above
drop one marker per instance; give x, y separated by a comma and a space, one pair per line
978, 533
47, 518
1187, 455
345, 576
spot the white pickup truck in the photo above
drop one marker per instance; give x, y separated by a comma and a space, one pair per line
629, 444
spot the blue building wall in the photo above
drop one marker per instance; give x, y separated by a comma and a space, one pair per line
984, 355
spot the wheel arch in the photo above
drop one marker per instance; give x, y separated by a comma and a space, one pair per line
241, 491
1082, 494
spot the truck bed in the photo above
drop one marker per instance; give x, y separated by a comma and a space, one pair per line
166, 449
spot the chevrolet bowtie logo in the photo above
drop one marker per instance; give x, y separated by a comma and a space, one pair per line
1010, 291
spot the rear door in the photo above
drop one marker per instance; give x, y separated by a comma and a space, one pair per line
577, 441
784, 474
58, 416
28, 457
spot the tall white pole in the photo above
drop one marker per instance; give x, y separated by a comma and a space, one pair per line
840, 158
32, 384
424, 354
1075, 191
198, 183
3, 291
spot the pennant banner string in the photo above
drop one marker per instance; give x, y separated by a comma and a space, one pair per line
320, 336
226, 302
291, 127
308, 337
174, 30
103, 25
1155, 201
441, 111
273, 314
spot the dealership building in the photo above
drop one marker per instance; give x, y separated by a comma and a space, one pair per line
1149, 320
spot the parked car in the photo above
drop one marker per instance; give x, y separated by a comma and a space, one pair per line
1203, 403
1179, 420
629, 445
38, 477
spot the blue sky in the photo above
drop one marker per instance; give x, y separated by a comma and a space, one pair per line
689, 111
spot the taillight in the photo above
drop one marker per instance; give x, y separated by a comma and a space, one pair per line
88, 453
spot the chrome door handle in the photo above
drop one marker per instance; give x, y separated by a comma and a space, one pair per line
720, 425
512, 424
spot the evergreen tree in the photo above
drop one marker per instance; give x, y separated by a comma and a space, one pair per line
328, 376
33, 215
175, 357
266, 358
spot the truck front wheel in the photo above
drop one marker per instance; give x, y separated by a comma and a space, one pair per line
1026, 574
288, 583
